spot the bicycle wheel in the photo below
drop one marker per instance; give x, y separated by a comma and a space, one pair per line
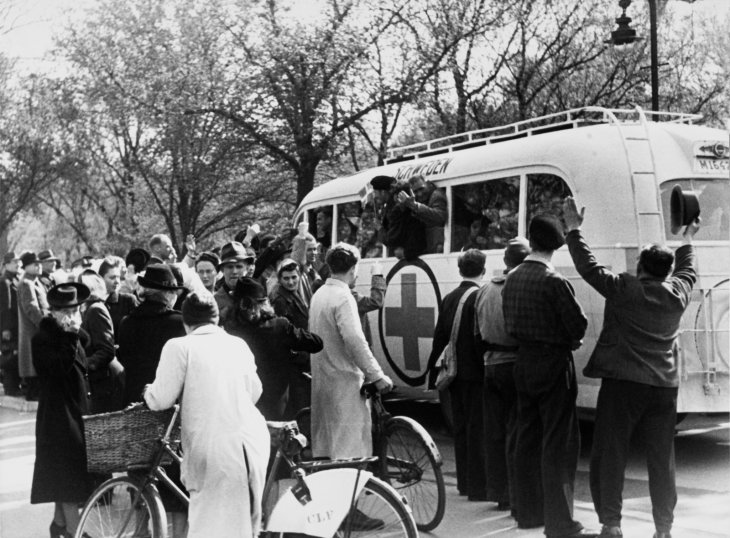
407, 464
119, 509
379, 512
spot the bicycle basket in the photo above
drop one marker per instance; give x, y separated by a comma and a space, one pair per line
126, 439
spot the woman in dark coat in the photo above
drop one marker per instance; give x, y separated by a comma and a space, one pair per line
272, 340
144, 332
142, 335
59, 474
105, 373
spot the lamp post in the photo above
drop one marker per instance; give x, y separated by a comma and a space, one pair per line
625, 35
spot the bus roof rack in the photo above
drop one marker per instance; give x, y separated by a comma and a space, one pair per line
569, 119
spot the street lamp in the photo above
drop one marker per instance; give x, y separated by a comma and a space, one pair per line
625, 35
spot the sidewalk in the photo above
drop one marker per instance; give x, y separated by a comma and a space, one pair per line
17, 403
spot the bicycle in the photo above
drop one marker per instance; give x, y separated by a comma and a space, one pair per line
406, 457
342, 499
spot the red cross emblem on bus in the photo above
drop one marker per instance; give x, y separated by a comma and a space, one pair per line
409, 322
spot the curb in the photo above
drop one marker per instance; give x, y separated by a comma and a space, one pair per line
18, 403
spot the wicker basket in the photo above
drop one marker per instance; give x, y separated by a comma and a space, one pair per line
127, 439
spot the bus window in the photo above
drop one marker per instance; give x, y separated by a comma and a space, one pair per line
545, 195
485, 214
320, 225
714, 198
359, 227
368, 240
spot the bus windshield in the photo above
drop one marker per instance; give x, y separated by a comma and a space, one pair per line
714, 198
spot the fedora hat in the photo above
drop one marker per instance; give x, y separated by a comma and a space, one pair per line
47, 256
29, 258
10, 257
234, 252
68, 295
684, 207
159, 276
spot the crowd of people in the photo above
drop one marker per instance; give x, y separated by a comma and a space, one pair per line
513, 396
264, 326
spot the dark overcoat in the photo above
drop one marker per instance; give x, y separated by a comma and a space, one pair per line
60, 472
142, 334
272, 342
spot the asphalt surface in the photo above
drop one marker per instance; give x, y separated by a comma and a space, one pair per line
703, 478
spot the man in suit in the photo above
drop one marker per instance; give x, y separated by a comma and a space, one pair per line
466, 389
9, 324
542, 314
635, 360
32, 307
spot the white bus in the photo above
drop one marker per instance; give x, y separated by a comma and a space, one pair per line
619, 164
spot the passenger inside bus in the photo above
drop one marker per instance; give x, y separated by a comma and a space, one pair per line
401, 232
324, 227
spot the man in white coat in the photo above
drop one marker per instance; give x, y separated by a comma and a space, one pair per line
224, 436
341, 422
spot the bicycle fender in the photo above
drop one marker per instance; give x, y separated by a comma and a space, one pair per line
332, 493
421, 431
155, 493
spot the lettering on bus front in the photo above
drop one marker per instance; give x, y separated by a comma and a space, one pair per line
438, 166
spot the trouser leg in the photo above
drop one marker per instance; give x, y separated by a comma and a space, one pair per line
657, 429
458, 412
618, 410
475, 451
560, 446
500, 415
528, 509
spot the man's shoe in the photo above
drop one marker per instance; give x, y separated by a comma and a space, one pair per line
503, 506
609, 531
357, 521
658, 534
477, 498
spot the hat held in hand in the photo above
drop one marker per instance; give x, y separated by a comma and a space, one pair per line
684, 208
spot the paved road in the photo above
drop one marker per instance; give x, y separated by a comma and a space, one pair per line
703, 476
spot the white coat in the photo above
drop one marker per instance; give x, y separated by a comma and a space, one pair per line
219, 422
341, 422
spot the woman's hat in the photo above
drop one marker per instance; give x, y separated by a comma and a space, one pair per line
247, 287
68, 295
159, 276
210, 257
199, 308
684, 208
139, 258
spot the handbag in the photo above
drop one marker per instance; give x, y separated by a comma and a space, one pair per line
446, 363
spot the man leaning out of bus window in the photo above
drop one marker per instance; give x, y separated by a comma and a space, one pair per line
401, 232
428, 204
634, 358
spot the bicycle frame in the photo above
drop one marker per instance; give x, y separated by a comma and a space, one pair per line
314, 504
157, 474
